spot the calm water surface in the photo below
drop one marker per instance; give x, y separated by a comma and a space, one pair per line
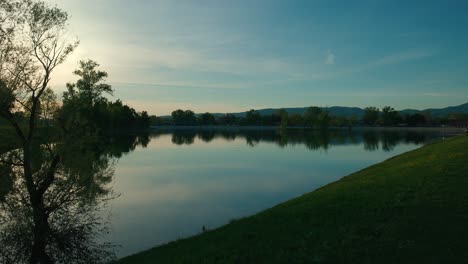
184, 180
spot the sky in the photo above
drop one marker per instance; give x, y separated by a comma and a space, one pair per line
229, 56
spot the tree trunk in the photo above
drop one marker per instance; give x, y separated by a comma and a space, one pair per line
41, 226
40, 233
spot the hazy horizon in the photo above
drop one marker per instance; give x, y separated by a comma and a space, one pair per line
225, 56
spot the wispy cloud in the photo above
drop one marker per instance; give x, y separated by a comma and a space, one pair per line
391, 59
178, 66
400, 57
330, 59
438, 94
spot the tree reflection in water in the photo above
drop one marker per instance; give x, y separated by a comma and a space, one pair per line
73, 202
313, 139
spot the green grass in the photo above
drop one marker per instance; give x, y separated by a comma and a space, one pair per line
412, 208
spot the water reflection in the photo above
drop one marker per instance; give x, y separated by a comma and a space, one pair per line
169, 191
187, 179
372, 140
68, 222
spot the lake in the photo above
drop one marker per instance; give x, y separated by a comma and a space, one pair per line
172, 184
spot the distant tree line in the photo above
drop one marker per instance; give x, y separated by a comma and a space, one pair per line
388, 116
314, 117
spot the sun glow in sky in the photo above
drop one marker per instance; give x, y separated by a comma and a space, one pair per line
223, 55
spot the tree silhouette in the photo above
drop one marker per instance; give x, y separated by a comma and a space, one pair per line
389, 116
371, 115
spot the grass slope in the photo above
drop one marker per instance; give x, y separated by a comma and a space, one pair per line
412, 208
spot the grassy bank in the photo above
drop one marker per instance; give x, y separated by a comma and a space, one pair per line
412, 208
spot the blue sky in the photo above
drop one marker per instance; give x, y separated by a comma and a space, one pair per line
222, 56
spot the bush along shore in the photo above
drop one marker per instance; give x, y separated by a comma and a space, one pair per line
412, 208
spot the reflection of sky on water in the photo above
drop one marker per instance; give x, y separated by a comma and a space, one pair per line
170, 191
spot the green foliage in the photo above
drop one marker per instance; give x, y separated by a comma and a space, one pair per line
6, 181
371, 115
283, 117
181, 117
340, 121
207, 119
228, 119
253, 117
86, 107
155, 120
411, 208
89, 89
457, 119
389, 116
270, 120
415, 119
315, 117
75, 198
296, 120
311, 116
43, 216
7, 98
324, 120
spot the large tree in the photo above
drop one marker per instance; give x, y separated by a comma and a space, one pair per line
283, 114
207, 119
84, 99
181, 117
324, 120
371, 115
311, 116
86, 107
253, 117
389, 116
33, 43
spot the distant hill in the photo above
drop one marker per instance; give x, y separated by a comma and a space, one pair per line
334, 110
440, 112
358, 112
344, 111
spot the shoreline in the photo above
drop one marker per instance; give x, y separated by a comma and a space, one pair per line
450, 130
359, 217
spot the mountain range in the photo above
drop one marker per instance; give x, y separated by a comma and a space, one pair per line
345, 111
358, 112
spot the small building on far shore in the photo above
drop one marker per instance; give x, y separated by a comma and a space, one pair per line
458, 123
